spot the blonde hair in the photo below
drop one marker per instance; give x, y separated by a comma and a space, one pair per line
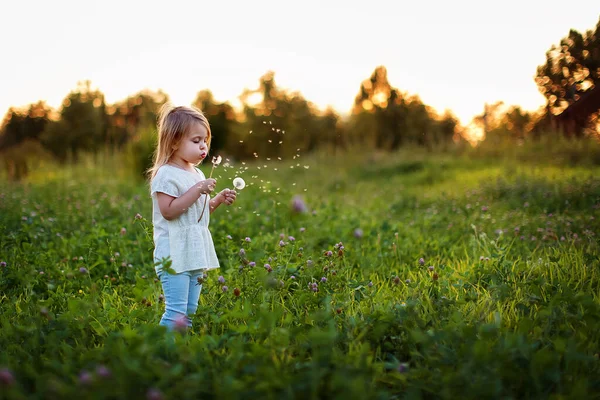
174, 123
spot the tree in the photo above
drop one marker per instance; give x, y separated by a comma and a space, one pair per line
129, 117
19, 138
385, 118
221, 117
571, 70
83, 124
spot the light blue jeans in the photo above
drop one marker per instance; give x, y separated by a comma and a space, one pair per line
182, 292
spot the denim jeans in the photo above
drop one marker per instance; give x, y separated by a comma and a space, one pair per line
182, 292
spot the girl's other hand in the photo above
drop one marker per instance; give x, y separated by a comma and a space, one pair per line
206, 186
227, 196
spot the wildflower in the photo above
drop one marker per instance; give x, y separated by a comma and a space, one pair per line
138, 216
281, 243
123, 231
242, 252
251, 264
229, 237
302, 230
3, 264
181, 323
328, 253
358, 233
298, 205
396, 280
83, 270
221, 279
402, 367
248, 240
291, 238
292, 277
239, 183
154, 394
224, 288
323, 279
370, 284
431, 268
85, 378
484, 208
407, 281
309, 263
102, 371
435, 276
421, 261
6, 377
236, 292
517, 229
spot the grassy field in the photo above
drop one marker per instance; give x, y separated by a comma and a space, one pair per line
411, 275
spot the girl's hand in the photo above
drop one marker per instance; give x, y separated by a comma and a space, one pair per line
227, 196
206, 186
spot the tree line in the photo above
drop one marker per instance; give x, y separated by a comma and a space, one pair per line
282, 122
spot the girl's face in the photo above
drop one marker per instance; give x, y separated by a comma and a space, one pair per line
193, 148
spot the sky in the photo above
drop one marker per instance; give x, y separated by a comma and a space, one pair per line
455, 55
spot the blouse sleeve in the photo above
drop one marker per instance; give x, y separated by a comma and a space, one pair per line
164, 183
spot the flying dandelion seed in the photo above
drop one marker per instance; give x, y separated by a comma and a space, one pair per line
306, 166
281, 141
250, 132
270, 141
264, 122
279, 158
241, 141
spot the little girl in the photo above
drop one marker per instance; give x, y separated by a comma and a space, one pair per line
179, 191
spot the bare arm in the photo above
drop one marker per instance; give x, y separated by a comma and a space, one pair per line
172, 207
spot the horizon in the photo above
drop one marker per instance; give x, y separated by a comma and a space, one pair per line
412, 42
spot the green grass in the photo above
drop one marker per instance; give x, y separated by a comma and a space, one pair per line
510, 309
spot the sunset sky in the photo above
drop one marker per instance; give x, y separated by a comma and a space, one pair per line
454, 54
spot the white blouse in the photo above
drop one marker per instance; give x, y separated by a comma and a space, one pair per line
186, 241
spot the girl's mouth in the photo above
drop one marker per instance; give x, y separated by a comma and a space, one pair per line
203, 155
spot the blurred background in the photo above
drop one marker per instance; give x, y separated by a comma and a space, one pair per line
276, 79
